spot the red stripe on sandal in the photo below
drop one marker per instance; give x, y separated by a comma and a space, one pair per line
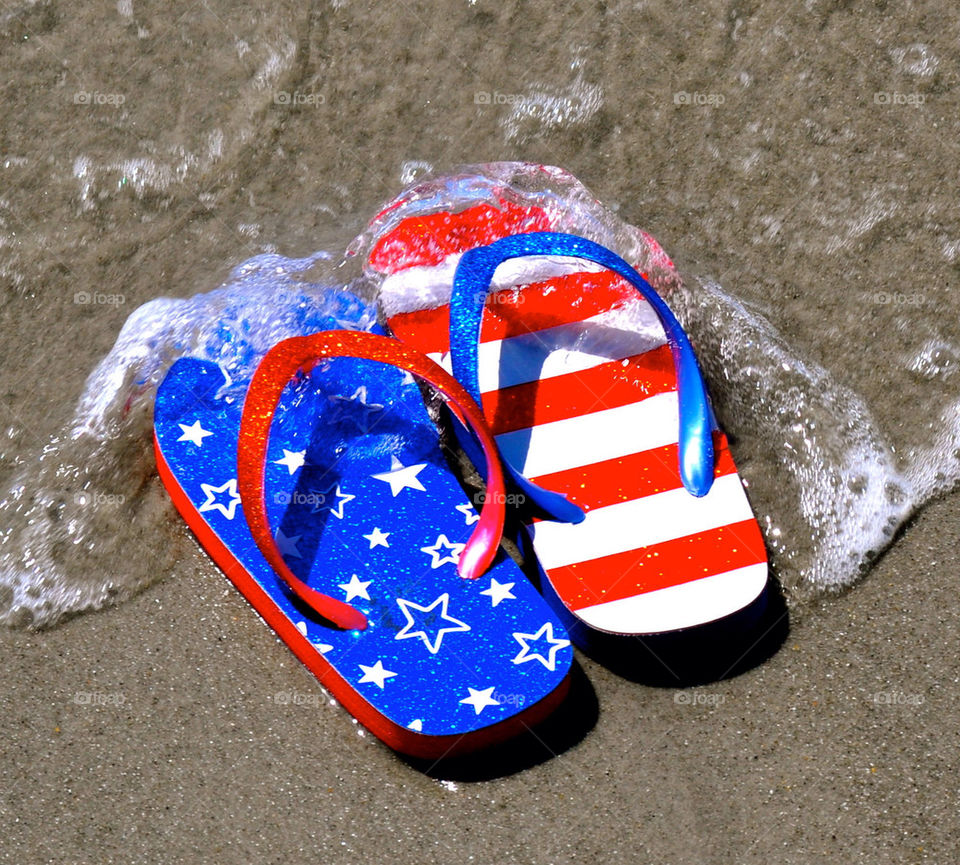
580, 390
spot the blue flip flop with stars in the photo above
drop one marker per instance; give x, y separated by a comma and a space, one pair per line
365, 508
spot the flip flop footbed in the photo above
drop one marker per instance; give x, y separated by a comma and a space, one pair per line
579, 387
366, 509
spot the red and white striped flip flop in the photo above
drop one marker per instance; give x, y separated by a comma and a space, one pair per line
579, 385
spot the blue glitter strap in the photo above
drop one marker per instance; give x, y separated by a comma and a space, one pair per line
470, 286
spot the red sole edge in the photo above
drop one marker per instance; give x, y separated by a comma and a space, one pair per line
399, 738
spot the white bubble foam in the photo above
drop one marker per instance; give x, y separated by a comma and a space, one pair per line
916, 59
825, 482
86, 521
547, 106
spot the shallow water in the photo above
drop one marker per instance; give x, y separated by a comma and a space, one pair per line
828, 488
834, 464
91, 495
817, 242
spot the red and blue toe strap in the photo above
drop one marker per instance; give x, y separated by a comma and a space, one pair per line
274, 373
470, 286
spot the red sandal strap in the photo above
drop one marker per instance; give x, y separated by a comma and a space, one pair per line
273, 374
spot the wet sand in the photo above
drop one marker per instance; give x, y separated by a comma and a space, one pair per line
807, 160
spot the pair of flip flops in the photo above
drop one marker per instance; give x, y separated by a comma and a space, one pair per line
320, 486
